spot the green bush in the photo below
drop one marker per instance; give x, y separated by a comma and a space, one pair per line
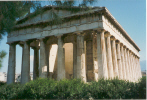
75, 89
2, 83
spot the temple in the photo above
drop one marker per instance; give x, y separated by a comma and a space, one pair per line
87, 44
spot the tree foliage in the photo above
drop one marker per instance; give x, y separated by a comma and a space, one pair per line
75, 89
13, 10
9, 13
2, 55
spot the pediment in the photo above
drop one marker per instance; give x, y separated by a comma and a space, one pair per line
49, 13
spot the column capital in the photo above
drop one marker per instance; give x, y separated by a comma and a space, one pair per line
12, 43
33, 47
100, 30
127, 48
42, 39
121, 44
117, 42
94, 34
80, 34
59, 36
112, 38
130, 51
107, 34
27, 41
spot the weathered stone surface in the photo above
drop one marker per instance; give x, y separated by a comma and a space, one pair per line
109, 57
81, 70
61, 60
101, 52
95, 61
43, 63
114, 58
25, 71
119, 61
126, 64
11, 64
123, 63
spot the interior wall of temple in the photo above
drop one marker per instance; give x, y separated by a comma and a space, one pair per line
68, 60
89, 60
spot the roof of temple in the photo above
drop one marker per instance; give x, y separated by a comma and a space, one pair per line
85, 11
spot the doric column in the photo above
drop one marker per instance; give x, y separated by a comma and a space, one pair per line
131, 66
81, 70
74, 59
36, 63
126, 63
139, 69
101, 54
11, 64
109, 56
135, 69
60, 60
114, 57
95, 62
123, 62
119, 60
25, 71
43, 64
47, 50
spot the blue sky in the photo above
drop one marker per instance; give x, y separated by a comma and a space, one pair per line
131, 14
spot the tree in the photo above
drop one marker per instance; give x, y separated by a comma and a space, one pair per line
2, 55
9, 13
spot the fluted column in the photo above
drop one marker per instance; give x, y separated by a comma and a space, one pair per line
114, 57
11, 64
136, 78
36, 63
95, 62
131, 66
119, 60
123, 62
74, 59
60, 60
47, 50
25, 71
43, 64
109, 56
101, 54
126, 63
133, 70
139, 69
81, 69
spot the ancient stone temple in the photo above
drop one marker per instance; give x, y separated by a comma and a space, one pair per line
87, 44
